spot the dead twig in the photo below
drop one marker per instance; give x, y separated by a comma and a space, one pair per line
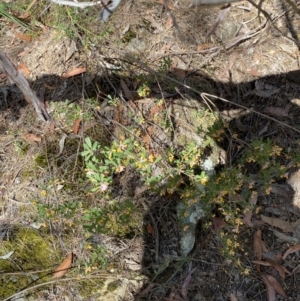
18, 78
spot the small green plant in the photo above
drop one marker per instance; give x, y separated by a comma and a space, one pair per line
114, 219
21, 147
113, 101
229, 191
67, 210
67, 112
165, 65
103, 162
144, 90
97, 258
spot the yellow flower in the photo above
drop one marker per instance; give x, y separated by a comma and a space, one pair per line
119, 169
246, 272
238, 221
276, 150
43, 192
204, 180
171, 157
88, 270
185, 228
151, 158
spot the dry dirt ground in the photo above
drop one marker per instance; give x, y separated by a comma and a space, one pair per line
248, 60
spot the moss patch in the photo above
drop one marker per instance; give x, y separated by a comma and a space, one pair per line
32, 252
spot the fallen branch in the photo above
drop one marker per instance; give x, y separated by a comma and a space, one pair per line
76, 4
18, 78
107, 6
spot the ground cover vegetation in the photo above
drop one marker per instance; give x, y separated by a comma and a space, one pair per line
88, 200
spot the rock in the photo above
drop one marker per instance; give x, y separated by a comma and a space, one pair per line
120, 289
189, 212
294, 182
188, 218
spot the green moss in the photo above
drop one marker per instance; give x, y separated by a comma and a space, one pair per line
27, 173
112, 286
128, 36
90, 288
21, 147
32, 252
41, 161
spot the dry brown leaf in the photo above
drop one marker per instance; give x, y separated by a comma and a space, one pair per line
24, 37
203, 47
261, 262
146, 139
277, 222
52, 127
150, 229
127, 92
64, 266
280, 268
257, 248
278, 288
287, 271
24, 68
186, 283
76, 126
291, 250
74, 72
169, 22
277, 111
24, 16
155, 109
254, 72
32, 137
180, 73
270, 288
218, 223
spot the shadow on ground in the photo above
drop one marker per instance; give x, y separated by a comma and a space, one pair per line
161, 259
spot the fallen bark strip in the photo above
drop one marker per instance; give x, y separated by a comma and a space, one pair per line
18, 78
